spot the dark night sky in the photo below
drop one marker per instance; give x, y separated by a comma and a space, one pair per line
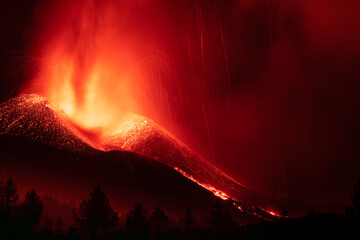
291, 103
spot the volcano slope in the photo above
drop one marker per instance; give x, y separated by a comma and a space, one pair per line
145, 137
40, 148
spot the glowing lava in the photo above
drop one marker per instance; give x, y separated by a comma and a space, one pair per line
216, 192
90, 65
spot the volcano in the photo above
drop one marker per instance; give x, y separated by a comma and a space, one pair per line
42, 148
145, 137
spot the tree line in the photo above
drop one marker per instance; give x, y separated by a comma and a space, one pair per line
96, 219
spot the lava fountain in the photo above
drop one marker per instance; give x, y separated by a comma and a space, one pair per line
108, 66
102, 62
93, 65
106, 63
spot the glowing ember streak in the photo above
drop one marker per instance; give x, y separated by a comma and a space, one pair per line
216, 192
238, 207
271, 212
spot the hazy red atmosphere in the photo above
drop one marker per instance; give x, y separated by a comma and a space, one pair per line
266, 90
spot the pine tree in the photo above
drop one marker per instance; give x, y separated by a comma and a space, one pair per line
284, 213
353, 211
189, 220
216, 215
229, 225
136, 224
2, 201
30, 211
97, 218
312, 211
8, 206
159, 220
59, 227
9, 194
32, 208
48, 225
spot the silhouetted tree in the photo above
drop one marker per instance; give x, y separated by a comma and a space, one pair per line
216, 215
353, 211
284, 213
59, 227
8, 200
48, 226
136, 224
55, 209
30, 211
48, 223
97, 218
188, 221
220, 221
2, 200
8, 194
312, 211
228, 225
159, 221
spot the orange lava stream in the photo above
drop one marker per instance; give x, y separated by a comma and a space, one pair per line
215, 191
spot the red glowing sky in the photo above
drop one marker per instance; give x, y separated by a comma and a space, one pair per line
267, 90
